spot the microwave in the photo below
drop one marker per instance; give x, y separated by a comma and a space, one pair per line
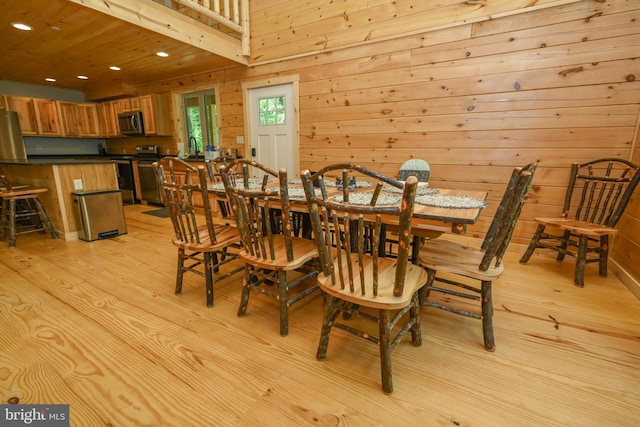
131, 123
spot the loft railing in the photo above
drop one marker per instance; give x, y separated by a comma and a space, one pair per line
229, 16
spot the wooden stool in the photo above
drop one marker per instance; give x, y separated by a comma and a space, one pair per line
22, 211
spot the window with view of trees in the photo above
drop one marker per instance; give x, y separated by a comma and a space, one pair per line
201, 119
272, 111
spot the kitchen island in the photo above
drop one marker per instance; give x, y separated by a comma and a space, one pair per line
62, 176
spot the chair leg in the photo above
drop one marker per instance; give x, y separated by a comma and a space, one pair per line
603, 255
487, 315
208, 275
331, 311
12, 223
244, 297
180, 272
532, 245
581, 261
45, 218
284, 303
4, 219
384, 326
414, 311
564, 245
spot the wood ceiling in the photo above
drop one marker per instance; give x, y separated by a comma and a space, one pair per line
70, 40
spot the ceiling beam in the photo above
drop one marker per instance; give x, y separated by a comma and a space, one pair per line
163, 20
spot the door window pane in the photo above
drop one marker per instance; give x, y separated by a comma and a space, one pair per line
271, 111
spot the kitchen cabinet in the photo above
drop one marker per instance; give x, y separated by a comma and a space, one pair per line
88, 123
4, 105
108, 118
26, 114
126, 105
47, 117
155, 114
69, 118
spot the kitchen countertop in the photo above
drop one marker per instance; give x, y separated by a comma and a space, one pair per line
57, 161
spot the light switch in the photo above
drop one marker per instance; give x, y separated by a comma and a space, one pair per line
240, 139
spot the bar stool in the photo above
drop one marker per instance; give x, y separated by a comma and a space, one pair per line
22, 211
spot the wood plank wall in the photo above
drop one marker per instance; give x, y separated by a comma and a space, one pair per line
473, 87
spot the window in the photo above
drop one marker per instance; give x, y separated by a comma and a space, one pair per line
271, 111
201, 120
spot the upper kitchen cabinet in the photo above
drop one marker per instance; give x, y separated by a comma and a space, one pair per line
47, 117
88, 121
69, 118
127, 105
26, 114
155, 114
108, 117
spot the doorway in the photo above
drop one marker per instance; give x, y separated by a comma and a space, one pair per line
272, 125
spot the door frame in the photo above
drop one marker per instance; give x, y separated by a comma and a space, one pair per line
294, 80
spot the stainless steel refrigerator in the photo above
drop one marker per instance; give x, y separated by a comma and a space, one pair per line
11, 141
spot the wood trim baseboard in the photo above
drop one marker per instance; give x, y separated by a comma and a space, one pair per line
627, 279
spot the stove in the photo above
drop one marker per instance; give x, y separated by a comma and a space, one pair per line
147, 152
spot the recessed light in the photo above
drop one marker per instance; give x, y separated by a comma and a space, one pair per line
83, 77
162, 54
23, 27
114, 68
50, 79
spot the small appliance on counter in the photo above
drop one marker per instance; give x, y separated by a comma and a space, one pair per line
11, 141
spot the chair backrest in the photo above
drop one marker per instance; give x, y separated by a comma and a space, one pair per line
180, 185
600, 190
504, 221
344, 228
5, 185
260, 208
215, 178
415, 167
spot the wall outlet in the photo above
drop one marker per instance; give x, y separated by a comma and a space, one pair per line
77, 184
239, 139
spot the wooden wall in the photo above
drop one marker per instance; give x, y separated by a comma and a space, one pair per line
473, 87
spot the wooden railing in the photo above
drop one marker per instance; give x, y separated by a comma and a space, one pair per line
230, 16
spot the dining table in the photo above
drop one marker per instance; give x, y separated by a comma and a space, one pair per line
436, 210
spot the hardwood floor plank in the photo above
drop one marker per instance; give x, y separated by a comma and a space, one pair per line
97, 325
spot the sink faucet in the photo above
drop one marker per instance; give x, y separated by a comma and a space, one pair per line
193, 145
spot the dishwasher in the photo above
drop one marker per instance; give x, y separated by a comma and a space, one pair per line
149, 191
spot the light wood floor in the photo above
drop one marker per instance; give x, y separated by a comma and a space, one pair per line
97, 325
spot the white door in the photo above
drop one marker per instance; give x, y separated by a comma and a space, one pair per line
272, 123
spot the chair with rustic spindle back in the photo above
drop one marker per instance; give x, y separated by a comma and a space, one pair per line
215, 179
359, 281
22, 211
203, 247
464, 264
597, 195
271, 253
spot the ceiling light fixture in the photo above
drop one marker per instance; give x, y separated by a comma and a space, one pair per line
50, 79
114, 68
23, 27
162, 54
83, 77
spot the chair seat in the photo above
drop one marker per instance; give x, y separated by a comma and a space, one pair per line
447, 256
304, 250
415, 278
225, 235
23, 191
579, 227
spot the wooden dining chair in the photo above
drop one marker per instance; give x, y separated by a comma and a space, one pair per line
22, 211
597, 194
360, 283
462, 264
277, 263
203, 247
215, 179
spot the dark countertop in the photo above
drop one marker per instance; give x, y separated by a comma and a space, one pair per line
58, 161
